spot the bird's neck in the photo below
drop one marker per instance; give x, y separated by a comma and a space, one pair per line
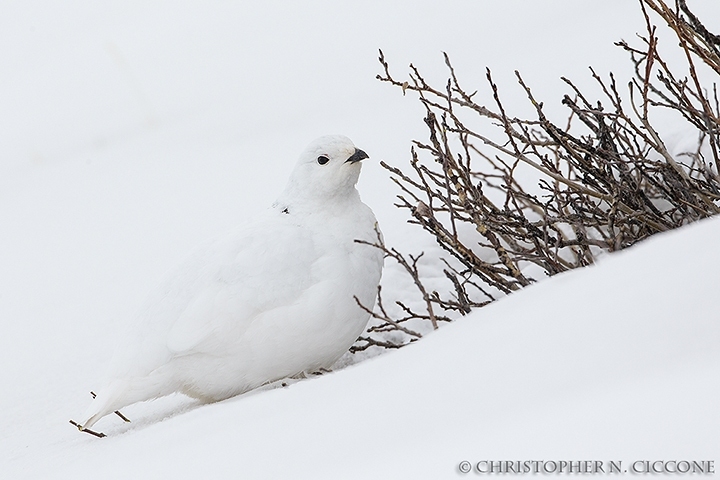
309, 203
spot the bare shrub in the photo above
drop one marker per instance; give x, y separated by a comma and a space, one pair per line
603, 180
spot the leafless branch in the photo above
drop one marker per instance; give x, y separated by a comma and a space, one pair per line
606, 179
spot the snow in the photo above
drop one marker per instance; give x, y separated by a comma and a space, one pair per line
120, 136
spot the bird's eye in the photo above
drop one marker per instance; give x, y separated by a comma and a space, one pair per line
322, 159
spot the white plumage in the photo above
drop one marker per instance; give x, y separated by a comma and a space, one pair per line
272, 299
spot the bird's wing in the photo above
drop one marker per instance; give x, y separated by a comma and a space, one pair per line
232, 281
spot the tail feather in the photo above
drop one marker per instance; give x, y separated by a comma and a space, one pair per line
103, 403
121, 393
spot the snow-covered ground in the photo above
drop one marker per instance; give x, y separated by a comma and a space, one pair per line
131, 132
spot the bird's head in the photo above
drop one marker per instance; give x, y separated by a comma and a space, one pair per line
328, 169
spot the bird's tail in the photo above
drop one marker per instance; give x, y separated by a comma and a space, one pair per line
102, 404
118, 394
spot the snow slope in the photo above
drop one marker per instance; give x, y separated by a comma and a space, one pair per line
132, 131
617, 362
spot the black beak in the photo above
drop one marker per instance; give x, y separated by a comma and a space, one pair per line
357, 156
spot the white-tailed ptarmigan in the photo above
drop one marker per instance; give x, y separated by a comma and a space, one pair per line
272, 299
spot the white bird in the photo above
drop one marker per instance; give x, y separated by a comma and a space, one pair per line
273, 299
